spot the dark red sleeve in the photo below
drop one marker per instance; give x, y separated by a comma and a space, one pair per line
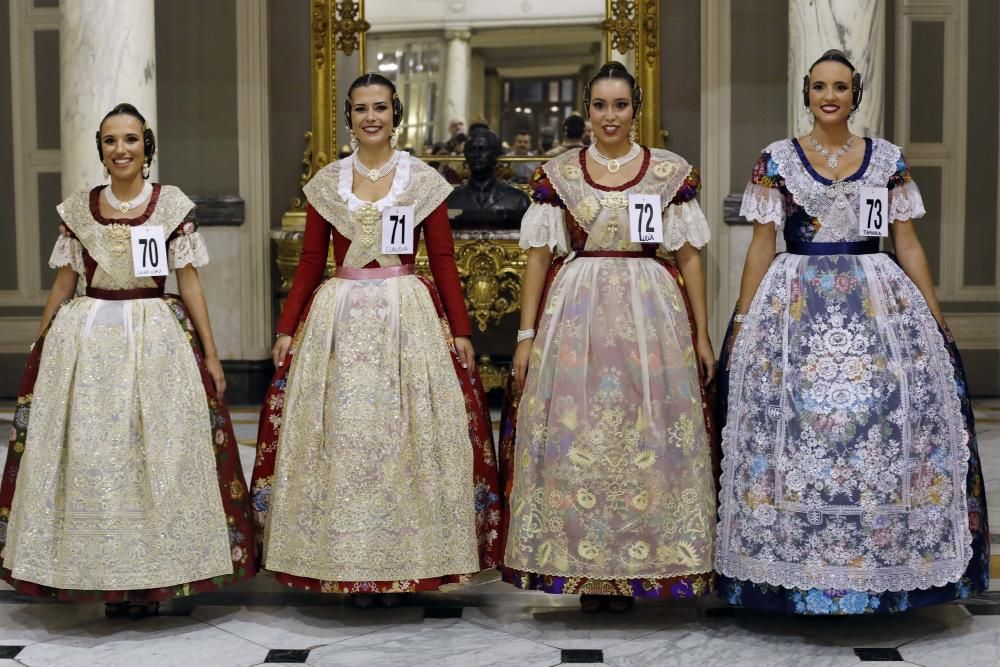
309, 273
441, 254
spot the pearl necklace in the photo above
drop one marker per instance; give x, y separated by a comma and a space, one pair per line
126, 206
614, 164
374, 175
832, 160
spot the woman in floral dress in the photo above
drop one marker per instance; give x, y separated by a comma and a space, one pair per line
608, 472
851, 477
375, 468
122, 481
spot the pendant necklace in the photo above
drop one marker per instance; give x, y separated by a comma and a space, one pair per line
124, 207
374, 175
832, 160
614, 165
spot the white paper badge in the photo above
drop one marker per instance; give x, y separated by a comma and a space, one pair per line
645, 219
149, 251
873, 211
397, 230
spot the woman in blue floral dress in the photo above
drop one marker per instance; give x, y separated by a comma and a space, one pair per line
851, 477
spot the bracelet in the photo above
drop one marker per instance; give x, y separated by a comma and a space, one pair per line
525, 334
740, 318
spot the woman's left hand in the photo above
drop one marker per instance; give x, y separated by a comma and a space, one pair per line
706, 357
214, 367
466, 354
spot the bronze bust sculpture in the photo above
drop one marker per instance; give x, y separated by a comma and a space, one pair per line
484, 200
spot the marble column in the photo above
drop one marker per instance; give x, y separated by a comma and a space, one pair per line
107, 55
456, 84
856, 27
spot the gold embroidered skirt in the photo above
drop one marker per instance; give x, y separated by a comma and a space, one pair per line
374, 467
117, 485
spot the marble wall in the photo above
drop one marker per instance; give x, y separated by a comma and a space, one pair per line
107, 55
856, 27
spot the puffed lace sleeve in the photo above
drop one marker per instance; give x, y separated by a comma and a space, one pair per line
186, 245
68, 251
763, 201
905, 202
543, 223
684, 221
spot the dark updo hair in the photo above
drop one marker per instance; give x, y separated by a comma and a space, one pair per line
573, 127
836, 56
148, 138
374, 79
615, 70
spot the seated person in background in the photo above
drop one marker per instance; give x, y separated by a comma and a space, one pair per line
484, 200
453, 172
573, 128
522, 147
546, 140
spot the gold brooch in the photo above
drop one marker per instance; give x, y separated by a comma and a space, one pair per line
119, 237
615, 200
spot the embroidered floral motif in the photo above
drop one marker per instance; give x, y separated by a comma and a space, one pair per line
845, 435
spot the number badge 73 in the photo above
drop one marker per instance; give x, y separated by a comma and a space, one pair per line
873, 211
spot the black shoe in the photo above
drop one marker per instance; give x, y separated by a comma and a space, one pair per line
140, 610
115, 609
591, 604
363, 600
619, 604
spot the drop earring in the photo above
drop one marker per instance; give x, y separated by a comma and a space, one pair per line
633, 133
145, 170
394, 137
354, 141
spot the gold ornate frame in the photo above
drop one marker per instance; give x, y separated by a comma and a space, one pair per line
631, 27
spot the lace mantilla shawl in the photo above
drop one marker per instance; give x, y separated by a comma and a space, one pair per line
835, 205
107, 244
414, 184
603, 214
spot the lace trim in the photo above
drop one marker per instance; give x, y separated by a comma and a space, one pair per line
905, 203
795, 562
543, 225
817, 198
762, 204
685, 223
68, 251
187, 249
345, 181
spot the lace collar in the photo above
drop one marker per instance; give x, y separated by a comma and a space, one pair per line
345, 182
816, 194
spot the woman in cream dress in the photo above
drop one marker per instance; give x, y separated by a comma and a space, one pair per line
122, 481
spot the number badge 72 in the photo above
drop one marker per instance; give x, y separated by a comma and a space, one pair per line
645, 219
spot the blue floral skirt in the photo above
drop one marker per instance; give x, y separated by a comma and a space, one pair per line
814, 601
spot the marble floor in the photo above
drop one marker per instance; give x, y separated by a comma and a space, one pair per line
490, 623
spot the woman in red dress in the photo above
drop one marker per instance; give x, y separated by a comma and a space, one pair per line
375, 465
